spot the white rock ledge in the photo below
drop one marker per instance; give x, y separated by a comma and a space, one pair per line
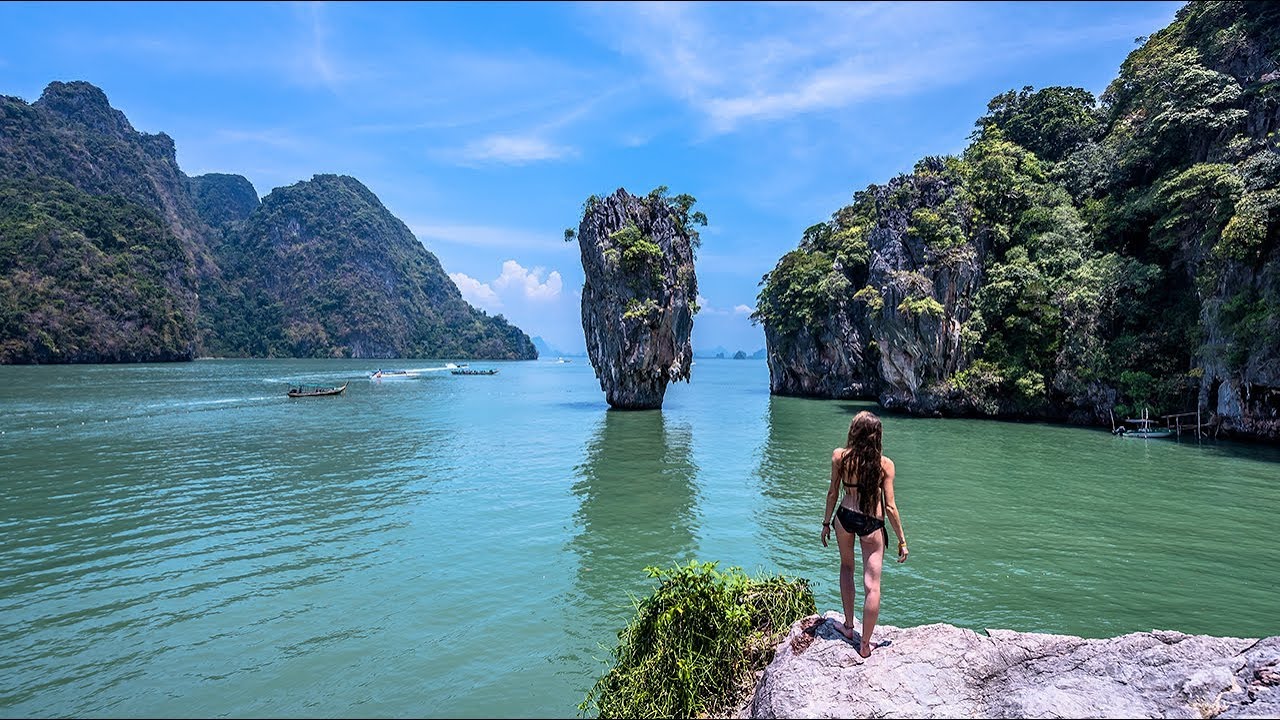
942, 671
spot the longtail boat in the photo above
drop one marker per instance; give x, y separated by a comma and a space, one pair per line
316, 391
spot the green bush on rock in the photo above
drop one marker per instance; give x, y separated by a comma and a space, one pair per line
694, 645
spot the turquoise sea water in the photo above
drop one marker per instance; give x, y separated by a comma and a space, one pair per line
184, 541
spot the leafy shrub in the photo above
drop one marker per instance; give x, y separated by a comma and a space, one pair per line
693, 646
918, 306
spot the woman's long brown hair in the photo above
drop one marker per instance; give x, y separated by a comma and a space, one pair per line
861, 460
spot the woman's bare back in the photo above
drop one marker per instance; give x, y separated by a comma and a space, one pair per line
850, 498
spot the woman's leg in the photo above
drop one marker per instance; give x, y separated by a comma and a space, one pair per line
872, 561
848, 568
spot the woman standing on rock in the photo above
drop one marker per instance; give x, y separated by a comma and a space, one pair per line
867, 477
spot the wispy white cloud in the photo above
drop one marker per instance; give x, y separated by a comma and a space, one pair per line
763, 62
635, 139
292, 44
531, 144
489, 236
271, 137
321, 63
754, 62
743, 309
513, 150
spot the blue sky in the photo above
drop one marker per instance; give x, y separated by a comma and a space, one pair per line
485, 126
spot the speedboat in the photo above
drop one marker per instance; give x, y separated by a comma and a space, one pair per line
381, 374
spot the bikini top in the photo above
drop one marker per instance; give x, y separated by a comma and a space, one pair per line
848, 485
883, 506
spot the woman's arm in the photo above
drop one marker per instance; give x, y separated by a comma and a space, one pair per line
833, 496
891, 508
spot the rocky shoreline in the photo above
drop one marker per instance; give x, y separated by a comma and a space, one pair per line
939, 670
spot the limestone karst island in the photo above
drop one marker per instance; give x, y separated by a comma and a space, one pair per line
698, 360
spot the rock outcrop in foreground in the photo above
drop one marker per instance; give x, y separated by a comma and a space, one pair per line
937, 671
639, 292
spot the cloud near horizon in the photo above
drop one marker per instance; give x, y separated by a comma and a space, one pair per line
533, 299
516, 284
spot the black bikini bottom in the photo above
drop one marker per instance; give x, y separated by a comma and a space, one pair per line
858, 523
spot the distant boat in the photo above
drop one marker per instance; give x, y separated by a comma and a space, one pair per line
316, 390
468, 371
563, 360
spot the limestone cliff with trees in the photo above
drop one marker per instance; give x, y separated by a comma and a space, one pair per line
1081, 255
639, 293
110, 253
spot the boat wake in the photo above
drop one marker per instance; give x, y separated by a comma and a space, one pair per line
406, 373
177, 404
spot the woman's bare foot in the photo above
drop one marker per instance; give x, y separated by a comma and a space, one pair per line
844, 630
864, 650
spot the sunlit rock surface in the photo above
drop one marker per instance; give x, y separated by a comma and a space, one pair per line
942, 671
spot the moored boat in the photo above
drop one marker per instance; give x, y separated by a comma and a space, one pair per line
469, 371
1146, 429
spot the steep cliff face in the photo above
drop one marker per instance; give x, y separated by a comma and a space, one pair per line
1077, 258
1241, 357
74, 134
100, 247
1237, 51
889, 299
638, 295
109, 253
322, 269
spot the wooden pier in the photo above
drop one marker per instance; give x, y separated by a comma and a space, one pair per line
1180, 422
1200, 429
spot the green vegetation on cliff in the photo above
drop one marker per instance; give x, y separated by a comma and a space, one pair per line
640, 257
695, 644
109, 253
222, 199
89, 279
1120, 247
322, 269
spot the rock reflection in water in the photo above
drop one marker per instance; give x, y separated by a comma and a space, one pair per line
639, 507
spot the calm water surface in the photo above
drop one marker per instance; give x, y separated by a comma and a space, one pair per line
185, 541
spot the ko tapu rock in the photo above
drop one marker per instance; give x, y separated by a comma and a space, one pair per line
942, 671
638, 299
